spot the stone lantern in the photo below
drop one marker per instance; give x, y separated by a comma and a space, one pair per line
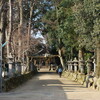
10, 66
70, 65
18, 68
89, 66
75, 64
81, 65
68, 62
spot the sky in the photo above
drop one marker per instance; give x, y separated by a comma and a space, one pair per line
39, 35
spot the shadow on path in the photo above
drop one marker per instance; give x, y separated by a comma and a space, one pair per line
44, 86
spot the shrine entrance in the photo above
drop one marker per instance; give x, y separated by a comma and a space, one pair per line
51, 62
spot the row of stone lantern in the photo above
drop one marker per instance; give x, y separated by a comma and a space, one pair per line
12, 68
15, 68
72, 64
76, 65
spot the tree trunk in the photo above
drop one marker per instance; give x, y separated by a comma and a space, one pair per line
98, 60
61, 58
71, 53
1, 27
1, 20
20, 29
80, 58
30, 21
0, 61
80, 55
8, 35
29, 27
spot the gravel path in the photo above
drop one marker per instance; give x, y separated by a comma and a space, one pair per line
48, 86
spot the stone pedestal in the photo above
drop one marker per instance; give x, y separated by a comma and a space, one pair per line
70, 65
81, 65
10, 68
75, 61
6, 70
89, 66
23, 67
31, 66
18, 68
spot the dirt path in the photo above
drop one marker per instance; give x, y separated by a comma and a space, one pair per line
48, 86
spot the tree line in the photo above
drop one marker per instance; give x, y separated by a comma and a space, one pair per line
73, 29
20, 21
70, 27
